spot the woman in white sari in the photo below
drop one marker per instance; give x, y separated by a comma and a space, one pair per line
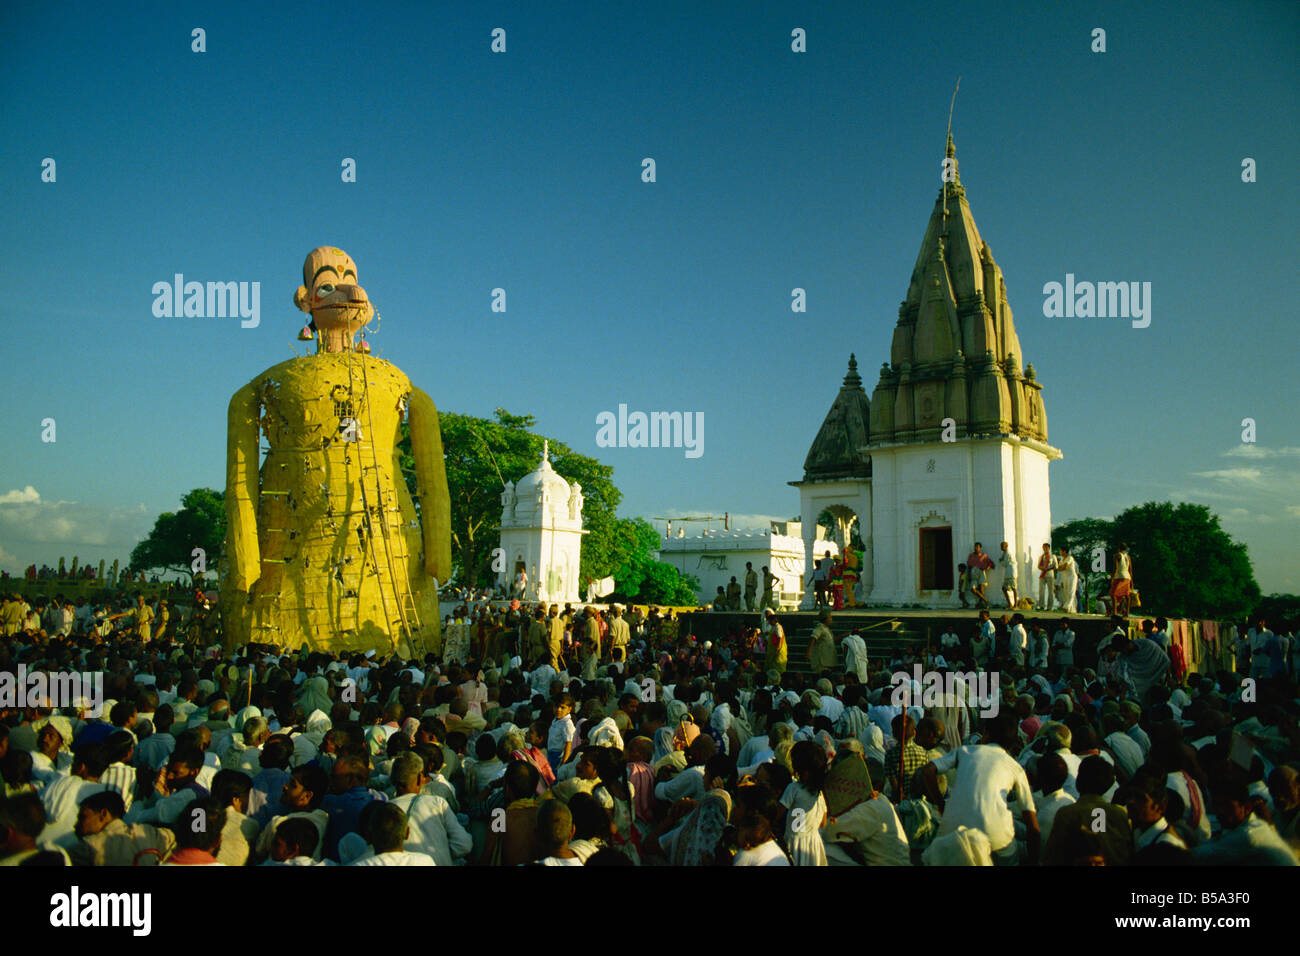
1067, 583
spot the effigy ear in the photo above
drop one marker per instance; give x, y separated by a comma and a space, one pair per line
300, 299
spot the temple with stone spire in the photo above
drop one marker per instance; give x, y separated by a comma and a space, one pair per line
951, 448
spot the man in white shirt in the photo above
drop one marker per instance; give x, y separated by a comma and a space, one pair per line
1059, 739
1245, 840
987, 776
1128, 752
1038, 645
1050, 796
855, 656
433, 827
1154, 841
1019, 639
989, 632
1260, 638
386, 829
1007, 561
63, 797
120, 775
1046, 579
831, 707
1131, 711
1063, 644
690, 782
539, 681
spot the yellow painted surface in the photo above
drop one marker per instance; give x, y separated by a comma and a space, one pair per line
323, 545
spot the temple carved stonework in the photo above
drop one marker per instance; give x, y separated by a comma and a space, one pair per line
955, 352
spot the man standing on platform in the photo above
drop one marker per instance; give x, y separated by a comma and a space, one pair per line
770, 581
751, 585
978, 564
821, 646
1121, 582
733, 594
1008, 563
819, 582
1046, 578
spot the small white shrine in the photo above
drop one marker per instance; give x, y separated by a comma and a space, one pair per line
541, 534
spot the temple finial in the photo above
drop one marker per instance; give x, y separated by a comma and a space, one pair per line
950, 152
546, 450
853, 379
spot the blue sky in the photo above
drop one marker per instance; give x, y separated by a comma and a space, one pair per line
522, 171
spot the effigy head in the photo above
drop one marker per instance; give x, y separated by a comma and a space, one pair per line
329, 293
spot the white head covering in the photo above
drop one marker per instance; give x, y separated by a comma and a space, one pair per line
605, 734
873, 743
720, 720
663, 744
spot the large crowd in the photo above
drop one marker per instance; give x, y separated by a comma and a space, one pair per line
584, 736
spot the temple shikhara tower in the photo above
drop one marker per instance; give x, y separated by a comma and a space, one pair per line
951, 448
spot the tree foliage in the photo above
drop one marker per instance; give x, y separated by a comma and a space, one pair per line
481, 455
1184, 563
201, 523
1278, 607
638, 575
1088, 540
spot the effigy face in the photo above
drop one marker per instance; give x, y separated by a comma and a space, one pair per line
324, 544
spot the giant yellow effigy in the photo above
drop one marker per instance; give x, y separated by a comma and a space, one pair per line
324, 546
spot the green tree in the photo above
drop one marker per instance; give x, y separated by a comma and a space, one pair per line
480, 456
1184, 563
1277, 608
201, 523
1086, 539
638, 575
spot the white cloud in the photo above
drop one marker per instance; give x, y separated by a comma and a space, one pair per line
28, 495
1195, 496
36, 530
1256, 452
1231, 474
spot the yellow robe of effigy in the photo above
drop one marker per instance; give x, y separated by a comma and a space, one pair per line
324, 546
